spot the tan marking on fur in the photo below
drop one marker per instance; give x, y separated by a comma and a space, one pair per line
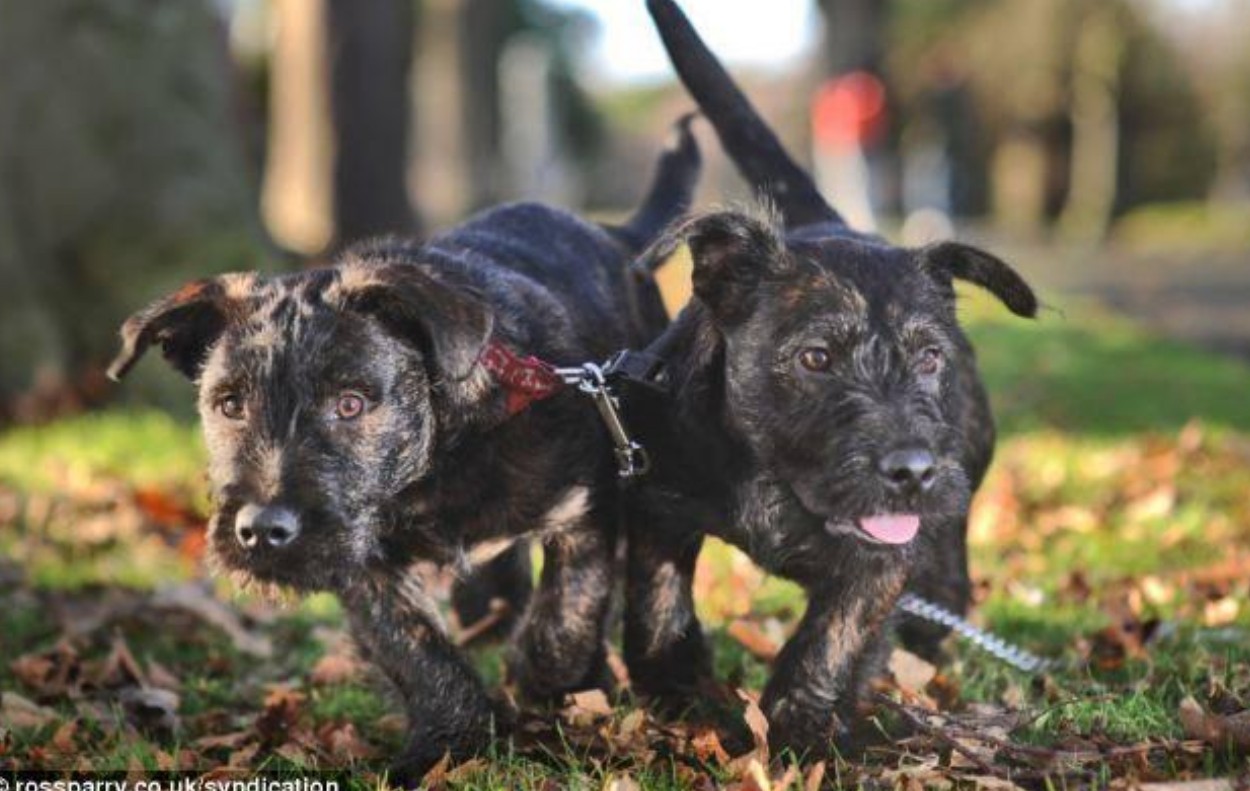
567, 512
849, 630
668, 607
484, 552
856, 301
846, 635
189, 292
794, 295
238, 285
353, 277
265, 337
414, 597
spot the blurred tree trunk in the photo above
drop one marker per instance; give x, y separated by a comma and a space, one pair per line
121, 176
854, 35
370, 49
339, 120
297, 194
484, 28
1094, 113
440, 161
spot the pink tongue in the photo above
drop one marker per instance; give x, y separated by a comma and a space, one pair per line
891, 528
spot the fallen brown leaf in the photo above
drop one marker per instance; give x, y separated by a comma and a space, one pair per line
1209, 784
53, 673
584, 708
1228, 731
161, 676
911, 673
815, 777
63, 740
757, 723
707, 747
18, 713
282, 711
753, 639
335, 669
621, 783
344, 743
228, 741
120, 668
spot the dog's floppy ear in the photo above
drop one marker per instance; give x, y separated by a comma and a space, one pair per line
451, 325
731, 253
953, 260
185, 324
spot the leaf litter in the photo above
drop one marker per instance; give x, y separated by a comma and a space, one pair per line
89, 683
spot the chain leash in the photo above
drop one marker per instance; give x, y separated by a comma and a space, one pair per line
988, 642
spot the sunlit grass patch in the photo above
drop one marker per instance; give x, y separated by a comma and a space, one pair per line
143, 447
1078, 368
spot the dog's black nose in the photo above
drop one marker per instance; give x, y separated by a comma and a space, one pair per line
273, 525
908, 470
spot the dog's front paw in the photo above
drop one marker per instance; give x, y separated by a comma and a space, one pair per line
453, 741
807, 732
546, 680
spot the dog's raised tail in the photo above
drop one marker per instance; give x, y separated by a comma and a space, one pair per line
748, 140
672, 187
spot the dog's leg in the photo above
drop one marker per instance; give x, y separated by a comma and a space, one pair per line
506, 578
560, 644
398, 630
940, 575
818, 676
664, 645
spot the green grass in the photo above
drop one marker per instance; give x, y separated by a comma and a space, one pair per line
1080, 370
143, 447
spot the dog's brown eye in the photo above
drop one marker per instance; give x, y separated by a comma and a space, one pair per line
815, 359
231, 407
930, 361
350, 405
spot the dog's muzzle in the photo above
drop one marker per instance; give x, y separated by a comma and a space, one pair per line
908, 471
268, 527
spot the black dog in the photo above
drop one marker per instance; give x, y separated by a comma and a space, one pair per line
367, 415
823, 413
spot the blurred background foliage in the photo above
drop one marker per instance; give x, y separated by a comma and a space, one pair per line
171, 140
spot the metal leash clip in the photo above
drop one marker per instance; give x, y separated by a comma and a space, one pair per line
632, 460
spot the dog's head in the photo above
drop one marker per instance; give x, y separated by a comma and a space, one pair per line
322, 395
846, 372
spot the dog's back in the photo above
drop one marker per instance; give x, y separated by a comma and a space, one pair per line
583, 267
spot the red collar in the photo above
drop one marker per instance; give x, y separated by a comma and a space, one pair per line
525, 380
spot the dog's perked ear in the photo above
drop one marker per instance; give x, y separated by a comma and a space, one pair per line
953, 260
185, 324
731, 254
449, 324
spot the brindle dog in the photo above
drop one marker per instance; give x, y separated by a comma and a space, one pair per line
353, 428
824, 414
